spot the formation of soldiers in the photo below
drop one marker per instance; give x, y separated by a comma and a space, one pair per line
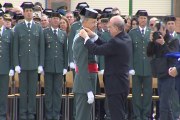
36, 41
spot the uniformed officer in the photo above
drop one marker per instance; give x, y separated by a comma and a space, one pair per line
73, 31
141, 79
8, 6
6, 37
86, 71
74, 28
55, 66
28, 58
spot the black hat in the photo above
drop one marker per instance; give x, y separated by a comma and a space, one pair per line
141, 13
81, 5
7, 16
83, 11
55, 14
25, 5
0, 5
48, 12
107, 10
18, 17
8, 5
99, 11
90, 13
1, 12
169, 18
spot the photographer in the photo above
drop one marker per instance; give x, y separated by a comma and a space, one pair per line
160, 44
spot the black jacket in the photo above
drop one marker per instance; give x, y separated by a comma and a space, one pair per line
117, 54
158, 53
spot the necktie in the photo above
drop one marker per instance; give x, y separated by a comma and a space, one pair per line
55, 32
142, 32
29, 24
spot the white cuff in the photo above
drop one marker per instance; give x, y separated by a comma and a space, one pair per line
87, 38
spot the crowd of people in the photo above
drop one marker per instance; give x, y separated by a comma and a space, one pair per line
88, 41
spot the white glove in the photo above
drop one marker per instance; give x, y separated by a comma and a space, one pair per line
72, 65
40, 69
64, 71
18, 69
132, 72
11, 73
90, 97
178, 59
101, 72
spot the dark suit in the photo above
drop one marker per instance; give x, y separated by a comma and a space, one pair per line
6, 64
55, 62
28, 53
117, 54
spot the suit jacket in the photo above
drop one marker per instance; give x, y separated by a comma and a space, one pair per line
6, 51
84, 81
28, 46
140, 62
55, 51
105, 37
117, 52
74, 28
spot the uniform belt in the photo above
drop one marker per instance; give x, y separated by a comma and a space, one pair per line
92, 68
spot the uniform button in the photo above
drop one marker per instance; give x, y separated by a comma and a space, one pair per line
0, 50
55, 56
0, 41
56, 46
0, 46
29, 45
144, 57
56, 51
29, 50
0, 56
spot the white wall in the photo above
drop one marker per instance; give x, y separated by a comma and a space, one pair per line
154, 7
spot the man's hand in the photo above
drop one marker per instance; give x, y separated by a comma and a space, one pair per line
18, 69
132, 72
90, 97
11, 73
161, 40
40, 69
90, 33
83, 34
173, 71
64, 71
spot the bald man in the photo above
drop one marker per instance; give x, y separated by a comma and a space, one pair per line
117, 52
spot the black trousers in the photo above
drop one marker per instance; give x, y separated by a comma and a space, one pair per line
118, 106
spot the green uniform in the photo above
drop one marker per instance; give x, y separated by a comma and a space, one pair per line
55, 62
6, 64
28, 53
74, 28
142, 80
85, 81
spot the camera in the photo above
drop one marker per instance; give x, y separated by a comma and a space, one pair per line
156, 35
